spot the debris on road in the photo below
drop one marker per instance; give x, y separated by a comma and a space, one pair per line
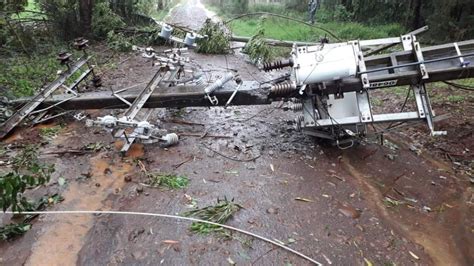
327, 259
171, 242
219, 213
171, 181
303, 199
426, 209
273, 210
231, 158
367, 262
349, 211
414, 255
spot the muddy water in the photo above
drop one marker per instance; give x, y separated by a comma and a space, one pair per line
60, 244
135, 151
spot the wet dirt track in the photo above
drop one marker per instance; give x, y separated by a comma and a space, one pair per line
344, 221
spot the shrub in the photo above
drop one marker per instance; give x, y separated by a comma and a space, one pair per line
104, 20
257, 49
217, 41
118, 42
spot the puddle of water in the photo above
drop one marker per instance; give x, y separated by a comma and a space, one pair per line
62, 241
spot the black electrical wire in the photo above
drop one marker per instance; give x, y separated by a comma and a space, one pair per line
459, 86
390, 126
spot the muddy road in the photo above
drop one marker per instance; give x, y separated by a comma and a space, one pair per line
329, 204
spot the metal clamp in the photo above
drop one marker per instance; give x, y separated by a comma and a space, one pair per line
461, 59
212, 99
419, 58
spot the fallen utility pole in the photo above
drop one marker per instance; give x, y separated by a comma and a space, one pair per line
402, 73
168, 97
328, 85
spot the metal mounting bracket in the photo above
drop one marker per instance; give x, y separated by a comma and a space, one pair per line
424, 108
419, 58
365, 112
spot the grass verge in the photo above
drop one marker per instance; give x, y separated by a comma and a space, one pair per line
282, 29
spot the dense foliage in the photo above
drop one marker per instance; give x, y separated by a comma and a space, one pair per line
257, 49
448, 20
217, 40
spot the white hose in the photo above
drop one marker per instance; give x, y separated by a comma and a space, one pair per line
175, 217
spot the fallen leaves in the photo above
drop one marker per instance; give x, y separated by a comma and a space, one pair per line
414, 255
303, 199
368, 262
170, 242
349, 211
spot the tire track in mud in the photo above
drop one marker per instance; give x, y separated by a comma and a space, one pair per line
438, 242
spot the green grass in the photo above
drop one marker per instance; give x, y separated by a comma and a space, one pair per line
281, 29
167, 180
455, 98
32, 6
22, 76
219, 213
50, 132
443, 93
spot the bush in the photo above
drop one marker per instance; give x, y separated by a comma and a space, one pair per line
217, 41
119, 42
28, 172
341, 14
105, 20
257, 49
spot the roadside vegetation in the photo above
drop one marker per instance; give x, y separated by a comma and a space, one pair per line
356, 19
33, 32
282, 29
27, 173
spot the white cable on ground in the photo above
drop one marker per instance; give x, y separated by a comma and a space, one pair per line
179, 218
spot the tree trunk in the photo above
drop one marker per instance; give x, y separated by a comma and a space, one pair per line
417, 19
85, 16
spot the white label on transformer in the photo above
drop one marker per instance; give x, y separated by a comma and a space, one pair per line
387, 83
